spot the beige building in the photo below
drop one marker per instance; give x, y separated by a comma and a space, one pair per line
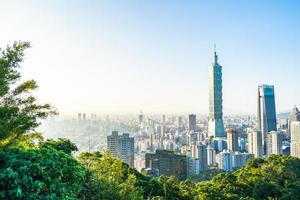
274, 143
232, 140
255, 143
295, 139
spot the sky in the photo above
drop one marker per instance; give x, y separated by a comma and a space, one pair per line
125, 56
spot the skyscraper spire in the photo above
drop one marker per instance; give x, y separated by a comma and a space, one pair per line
215, 60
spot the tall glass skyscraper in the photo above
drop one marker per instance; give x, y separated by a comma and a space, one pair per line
266, 111
215, 126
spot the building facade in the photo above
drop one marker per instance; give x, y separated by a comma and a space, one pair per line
192, 122
294, 117
219, 144
232, 140
255, 143
224, 161
274, 143
121, 146
240, 159
202, 156
211, 156
193, 166
167, 163
112, 143
295, 139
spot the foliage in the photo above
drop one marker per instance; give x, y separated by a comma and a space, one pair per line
19, 110
206, 175
119, 179
43, 173
271, 178
61, 144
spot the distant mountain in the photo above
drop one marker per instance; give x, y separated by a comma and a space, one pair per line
283, 115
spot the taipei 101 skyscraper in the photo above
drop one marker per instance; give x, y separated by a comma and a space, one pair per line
215, 124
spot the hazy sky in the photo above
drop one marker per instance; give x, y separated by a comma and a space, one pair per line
151, 55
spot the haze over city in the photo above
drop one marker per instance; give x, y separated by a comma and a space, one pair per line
149, 99
127, 56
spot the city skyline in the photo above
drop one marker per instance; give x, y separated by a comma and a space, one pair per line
125, 65
137, 99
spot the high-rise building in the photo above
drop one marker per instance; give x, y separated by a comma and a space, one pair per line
167, 163
224, 160
294, 117
193, 151
295, 139
219, 144
179, 122
163, 125
126, 149
163, 119
112, 143
266, 111
193, 166
121, 146
79, 116
274, 143
240, 159
232, 140
84, 116
215, 125
192, 122
163, 130
255, 143
202, 156
141, 119
211, 156
242, 144
192, 137
158, 129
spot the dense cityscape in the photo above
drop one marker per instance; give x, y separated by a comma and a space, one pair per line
149, 100
186, 146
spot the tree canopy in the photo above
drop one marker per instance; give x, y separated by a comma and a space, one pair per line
43, 173
19, 110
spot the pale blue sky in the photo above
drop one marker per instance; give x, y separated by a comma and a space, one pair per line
124, 56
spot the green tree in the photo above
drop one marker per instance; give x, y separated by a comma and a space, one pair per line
206, 190
120, 181
41, 173
95, 186
19, 110
61, 144
129, 189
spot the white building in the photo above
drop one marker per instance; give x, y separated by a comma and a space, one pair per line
224, 160
255, 143
121, 146
274, 143
211, 156
295, 139
240, 159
